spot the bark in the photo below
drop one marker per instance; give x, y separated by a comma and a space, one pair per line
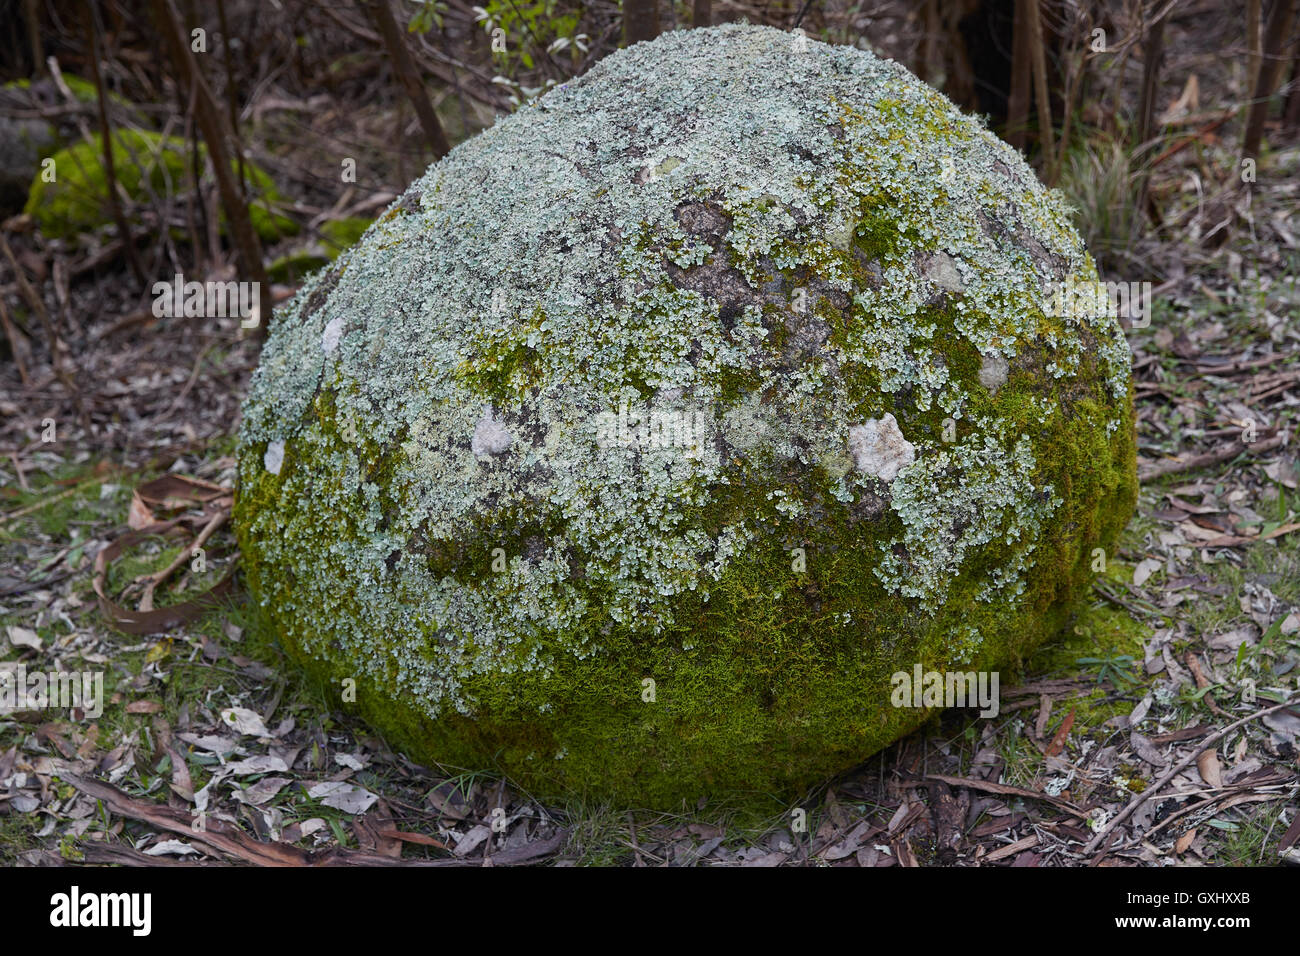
407, 74
640, 20
1018, 99
248, 247
1038, 51
1153, 49
1281, 19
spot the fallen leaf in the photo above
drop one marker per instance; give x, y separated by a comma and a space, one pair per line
1210, 770
139, 516
22, 637
171, 848
1144, 570
1184, 841
262, 791
25, 803
245, 721
343, 796
258, 764
1231, 640
143, 707
767, 859
1144, 748
1058, 742
210, 742
472, 840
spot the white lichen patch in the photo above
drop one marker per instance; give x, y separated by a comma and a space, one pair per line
329, 340
993, 371
778, 249
491, 437
273, 459
879, 448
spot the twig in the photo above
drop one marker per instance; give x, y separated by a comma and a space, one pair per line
56, 346
1006, 790
153, 580
408, 75
16, 345
1178, 768
1176, 465
44, 502
108, 141
212, 123
194, 377
224, 839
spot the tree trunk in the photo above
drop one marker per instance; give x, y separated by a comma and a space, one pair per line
1153, 50
640, 20
702, 13
1280, 21
1291, 116
1038, 50
248, 247
409, 76
1018, 98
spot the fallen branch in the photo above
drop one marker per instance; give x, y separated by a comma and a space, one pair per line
1174, 466
1178, 768
229, 841
1232, 540
1006, 790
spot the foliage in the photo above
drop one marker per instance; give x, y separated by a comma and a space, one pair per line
147, 165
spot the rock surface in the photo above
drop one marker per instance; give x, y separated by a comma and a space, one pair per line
652, 430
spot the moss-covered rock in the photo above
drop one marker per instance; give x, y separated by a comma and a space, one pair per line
27, 139
862, 445
336, 235
146, 164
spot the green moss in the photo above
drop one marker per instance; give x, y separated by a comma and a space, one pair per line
270, 225
82, 90
145, 164
296, 266
877, 235
339, 234
765, 647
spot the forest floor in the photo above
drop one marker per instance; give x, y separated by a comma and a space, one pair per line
1152, 734
1194, 625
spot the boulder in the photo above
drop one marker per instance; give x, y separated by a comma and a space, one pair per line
148, 166
26, 138
648, 435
